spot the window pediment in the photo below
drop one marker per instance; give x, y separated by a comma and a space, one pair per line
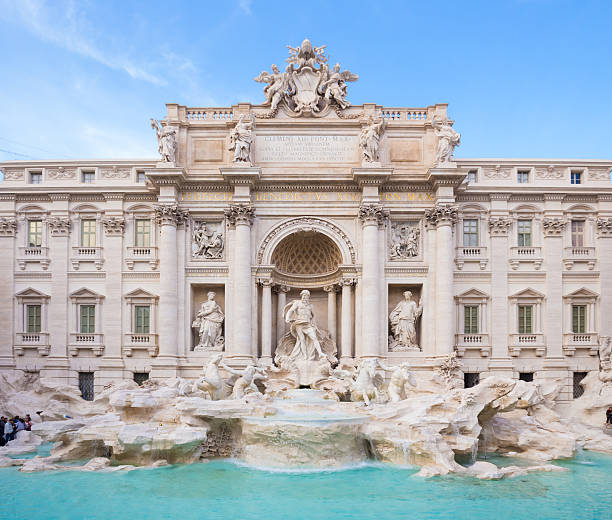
528, 294
32, 294
582, 294
141, 295
85, 294
472, 294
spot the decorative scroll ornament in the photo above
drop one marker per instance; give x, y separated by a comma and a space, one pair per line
499, 226
59, 226
448, 139
240, 214
498, 172
60, 173
376, 213
441, 214
8, 225
404, 240
166, 141
307, 86
553, 226
208, 240
604, 227
113, 225
170, 214
548, 172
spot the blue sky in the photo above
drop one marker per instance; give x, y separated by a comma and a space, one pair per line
80, 79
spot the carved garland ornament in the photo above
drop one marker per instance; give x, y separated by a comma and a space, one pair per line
548, 172
116, 173
240, 214
113, 225
553, 226
498, 172
375, 213
170, 214
59, 226
604, 227
305, 224
499, 226
441, 214
8, 225
61, 173
13, 174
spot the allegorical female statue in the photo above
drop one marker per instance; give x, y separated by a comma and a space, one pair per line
403, 322
166, 141
209, 322
369, 139
448, 139
241, 138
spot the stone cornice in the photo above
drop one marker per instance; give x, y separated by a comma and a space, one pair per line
371, 176
445, 177
241, 176
499, 196
166, 176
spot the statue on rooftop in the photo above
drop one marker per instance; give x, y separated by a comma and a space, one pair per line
334, 87
241, 138
276, 88
369, 139
448, 139
166, 141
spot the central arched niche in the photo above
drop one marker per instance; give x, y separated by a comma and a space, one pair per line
306, 253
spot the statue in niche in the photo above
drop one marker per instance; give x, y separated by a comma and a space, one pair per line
448, 139
166, 141
300, 315
241, 138
208, 243
209, 322
369, 139
276, 88
404, 241
403, 324
334, 86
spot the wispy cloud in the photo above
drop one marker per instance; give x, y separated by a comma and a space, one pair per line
245, 6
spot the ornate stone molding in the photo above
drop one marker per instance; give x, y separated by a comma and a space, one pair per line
499, 226
61, 173
170, 214
113, 226
115, 172
548, 172
599, 174
59, 226
498, 172
8, 226
373, 213
281, 289
604, 227
331, 288
240, 214
265, 282
441, 215
347, 282
13, 174
553, 226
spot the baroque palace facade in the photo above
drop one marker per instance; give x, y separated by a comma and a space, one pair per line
107, 267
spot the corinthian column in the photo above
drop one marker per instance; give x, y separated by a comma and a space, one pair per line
444, 217
372, 216
241, 217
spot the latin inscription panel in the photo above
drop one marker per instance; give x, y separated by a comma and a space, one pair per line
306, 148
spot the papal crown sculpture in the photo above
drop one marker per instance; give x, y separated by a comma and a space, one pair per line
307, 86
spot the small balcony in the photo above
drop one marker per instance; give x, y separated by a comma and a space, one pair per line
579, 255
519, 342
32, 340
476, 254
573, 341
472, 342
136, 341
526, 254
33, 254
82, 254
146, 254
82, 341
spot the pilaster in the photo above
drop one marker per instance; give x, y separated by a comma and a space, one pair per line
8, 226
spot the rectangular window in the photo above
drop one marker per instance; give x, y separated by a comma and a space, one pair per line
578, 388
526, 376
88, 177
34, 233
35, 177
471, 176
33, 318
577, 233
524, 233
140, 177
86, 385
578, 319
141, 377
143, 232
525, 319
88, 233
470, 319
576, 177
87, 319
522, 176
470, 232
470, 379
142, 319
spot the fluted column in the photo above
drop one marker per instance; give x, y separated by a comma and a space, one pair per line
444, 218
331, 310
281, 291
372, 216
266, 319
241, 217
346, 330
428, 320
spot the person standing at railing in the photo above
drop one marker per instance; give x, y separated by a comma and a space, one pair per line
609, 415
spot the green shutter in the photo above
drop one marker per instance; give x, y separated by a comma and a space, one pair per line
470, 321
579, 319
33, 318
143, 233
525, 324
142, 319
88, 319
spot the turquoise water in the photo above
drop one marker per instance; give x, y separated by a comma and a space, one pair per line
228, 491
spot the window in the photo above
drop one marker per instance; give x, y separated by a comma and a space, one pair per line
470, 320
470, 232
524, 233
526, 376
141, 377
143, 232
88, 233
578, 388
578, 319
87, 319
140, 177
35, 177
525, 317
470, 379
522, 176
34, 233
471, 176
142, 314
576, 177
33, 318
577, 233
86, 385
88, 177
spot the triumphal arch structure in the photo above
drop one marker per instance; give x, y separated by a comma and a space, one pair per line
146, 268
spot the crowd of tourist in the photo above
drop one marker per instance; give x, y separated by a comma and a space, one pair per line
10, 427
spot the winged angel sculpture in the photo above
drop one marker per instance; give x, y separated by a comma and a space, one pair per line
307, 86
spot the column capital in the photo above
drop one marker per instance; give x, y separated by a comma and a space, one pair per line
59, 226
170, 214
373, 214
240, 214
347, 282
113, 226
553, 227
281, 289
265, 282
330, 288
8, 226
441, 215
499, 226
604, 227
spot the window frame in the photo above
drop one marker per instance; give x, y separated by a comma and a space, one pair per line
137, 234
475, 233
39, 175
37, 329
522, 322
89, 318
87, 171
139, 327
523, 171
575, 234
83, 233
38, 233
579, 176
521, 235
471, 319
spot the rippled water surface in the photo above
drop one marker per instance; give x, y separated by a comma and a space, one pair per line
222, 489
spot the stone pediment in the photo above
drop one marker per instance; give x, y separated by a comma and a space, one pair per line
582, 293
83, 292
30, 292
472, 294
140, 293
528, 293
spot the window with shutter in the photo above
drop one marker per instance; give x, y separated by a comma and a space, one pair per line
33, 318
525, 316
470, 322
579, 319
524, 233
470, 232
88, 319
142, 319
143, 232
